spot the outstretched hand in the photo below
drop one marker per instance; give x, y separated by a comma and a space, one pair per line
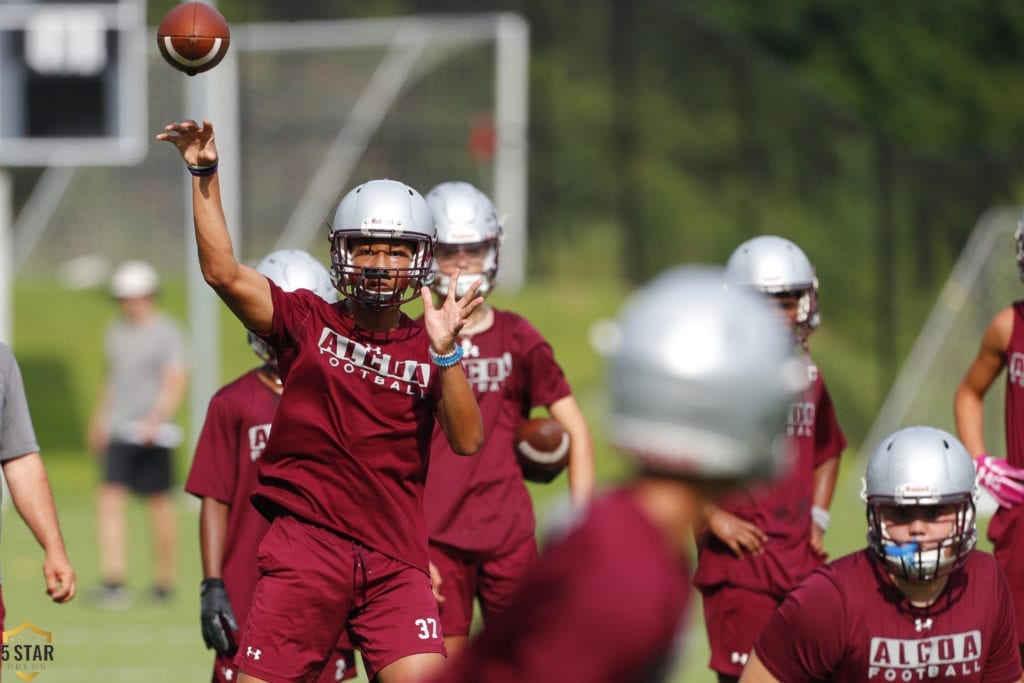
444, 324
194, 141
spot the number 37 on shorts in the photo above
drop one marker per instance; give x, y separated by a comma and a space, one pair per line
427, 628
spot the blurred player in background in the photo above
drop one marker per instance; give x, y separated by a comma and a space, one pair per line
28, 484
919, 603
479, 512
760, 542
1002, 346
343, 472
700, 386
132, 432
223, 476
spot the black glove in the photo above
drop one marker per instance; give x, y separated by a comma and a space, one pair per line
215, 612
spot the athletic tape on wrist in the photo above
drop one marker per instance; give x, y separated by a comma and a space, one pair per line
821, 517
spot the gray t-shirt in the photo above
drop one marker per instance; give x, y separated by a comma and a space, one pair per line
17, 437
137, 357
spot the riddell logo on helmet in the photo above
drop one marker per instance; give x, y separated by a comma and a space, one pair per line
462, 235
375, 220
914, 490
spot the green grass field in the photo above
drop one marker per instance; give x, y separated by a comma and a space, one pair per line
58, 339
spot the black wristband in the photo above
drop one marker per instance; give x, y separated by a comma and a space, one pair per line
202, 170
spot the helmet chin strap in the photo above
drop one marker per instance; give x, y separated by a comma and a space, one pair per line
802, 335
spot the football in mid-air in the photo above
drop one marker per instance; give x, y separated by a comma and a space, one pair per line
542, 448
193, 37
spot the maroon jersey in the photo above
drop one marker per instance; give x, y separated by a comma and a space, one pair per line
234, 435
781, 509
351, 439
1014, 407
480, 504
606, 602
1007, 524
848, 622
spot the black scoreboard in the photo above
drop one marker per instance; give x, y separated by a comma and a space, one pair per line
72, 82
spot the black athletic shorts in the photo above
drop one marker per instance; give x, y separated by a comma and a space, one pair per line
143, 469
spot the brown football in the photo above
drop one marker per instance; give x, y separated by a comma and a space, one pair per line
542, 448
193, 37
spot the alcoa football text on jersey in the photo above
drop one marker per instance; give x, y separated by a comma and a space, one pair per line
369, 362
488, 374
895, 659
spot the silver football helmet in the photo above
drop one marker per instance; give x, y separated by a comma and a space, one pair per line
702, 379
465, 216
1018, 237
921, 466
292, 269
385, 210
774, 265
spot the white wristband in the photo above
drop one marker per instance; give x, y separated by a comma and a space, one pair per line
821, 517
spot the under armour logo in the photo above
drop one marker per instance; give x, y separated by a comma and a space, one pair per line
469, 349
373, 349
922, 624
255, 654
227, 673
738, 657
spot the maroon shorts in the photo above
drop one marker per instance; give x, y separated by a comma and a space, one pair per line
734, 618
313, 581
490, 579
340, 667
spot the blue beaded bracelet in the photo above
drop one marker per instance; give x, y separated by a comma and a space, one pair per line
202, 170
448, 359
